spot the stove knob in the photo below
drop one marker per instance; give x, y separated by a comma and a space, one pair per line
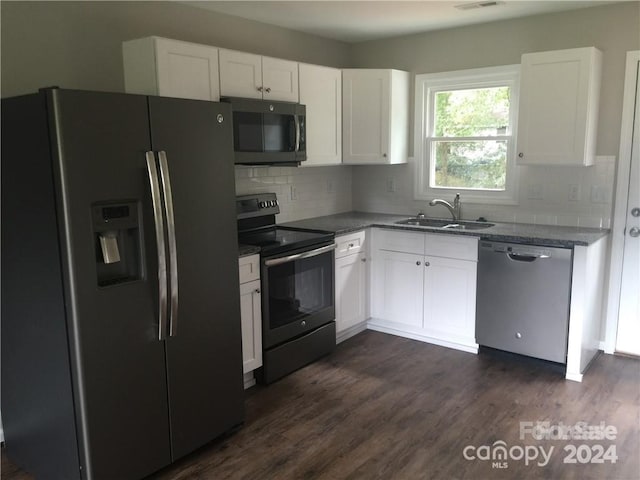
303, 323
262, 204
273, 203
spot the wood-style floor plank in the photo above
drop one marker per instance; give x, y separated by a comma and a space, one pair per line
392, 408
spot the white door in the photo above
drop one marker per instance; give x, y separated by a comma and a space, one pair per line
240, 74
279, 79
187, 70
450, 299
628, 338
350, 291
365, 115
398, 288
321, 92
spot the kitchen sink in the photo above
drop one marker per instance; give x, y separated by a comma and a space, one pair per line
445, 224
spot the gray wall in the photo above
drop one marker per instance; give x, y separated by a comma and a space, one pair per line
611, 28
78, 44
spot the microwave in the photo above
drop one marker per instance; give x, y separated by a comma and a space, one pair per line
268, 133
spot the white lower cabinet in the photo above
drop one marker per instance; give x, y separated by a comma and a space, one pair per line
250, 316
427, 293
351, 285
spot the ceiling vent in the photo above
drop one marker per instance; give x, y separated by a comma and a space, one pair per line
471, 6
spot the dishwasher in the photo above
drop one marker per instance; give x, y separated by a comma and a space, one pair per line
523, 295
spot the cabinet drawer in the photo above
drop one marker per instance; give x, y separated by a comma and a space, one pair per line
452, 246
350, 244
249, 268
396, 241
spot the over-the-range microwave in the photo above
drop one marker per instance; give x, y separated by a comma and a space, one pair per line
268, 133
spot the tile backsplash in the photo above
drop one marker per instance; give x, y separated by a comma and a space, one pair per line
303, 192
570, 196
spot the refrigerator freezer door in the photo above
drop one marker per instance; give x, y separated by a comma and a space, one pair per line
204, 358
119, 363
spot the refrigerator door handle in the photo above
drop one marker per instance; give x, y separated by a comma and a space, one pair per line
171, 234
162, 258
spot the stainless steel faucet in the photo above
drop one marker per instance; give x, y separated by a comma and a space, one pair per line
455, 209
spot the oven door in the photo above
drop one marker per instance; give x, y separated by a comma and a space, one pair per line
297, 293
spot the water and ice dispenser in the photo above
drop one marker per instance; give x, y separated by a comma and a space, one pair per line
116, 228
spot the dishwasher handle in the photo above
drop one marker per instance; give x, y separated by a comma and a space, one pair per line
519, 257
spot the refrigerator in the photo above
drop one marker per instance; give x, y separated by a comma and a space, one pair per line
121, 337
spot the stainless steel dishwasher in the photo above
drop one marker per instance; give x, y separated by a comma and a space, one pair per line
523, 299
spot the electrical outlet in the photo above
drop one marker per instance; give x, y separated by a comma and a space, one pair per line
391, 185
294, 193
574, 193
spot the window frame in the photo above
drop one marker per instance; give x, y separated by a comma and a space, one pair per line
426, 86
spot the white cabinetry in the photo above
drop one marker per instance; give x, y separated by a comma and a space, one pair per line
558, 108
375, 105
424, 287
170, 68
351, 285
253, 76
250, 316
321, 92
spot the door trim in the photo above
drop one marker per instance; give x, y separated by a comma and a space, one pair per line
622, 194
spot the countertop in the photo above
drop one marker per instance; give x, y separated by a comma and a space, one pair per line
546, 235
246, 250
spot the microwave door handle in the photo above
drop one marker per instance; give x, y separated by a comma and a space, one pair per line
156, 201
297, 122
298, 256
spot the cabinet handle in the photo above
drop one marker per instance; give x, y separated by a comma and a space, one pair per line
351, 245
521, 155
260, 89
418, 263
384, 155
257, 290
268, 90
426, 264
363, 260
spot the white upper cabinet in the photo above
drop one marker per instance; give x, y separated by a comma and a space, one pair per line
558, 108
375, 107
252, 76
321, 92
170, 68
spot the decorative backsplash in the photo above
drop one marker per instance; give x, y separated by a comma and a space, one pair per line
302, 192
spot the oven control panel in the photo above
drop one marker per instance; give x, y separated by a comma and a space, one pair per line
256, 205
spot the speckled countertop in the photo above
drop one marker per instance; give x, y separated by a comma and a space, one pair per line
546, 235
246, 250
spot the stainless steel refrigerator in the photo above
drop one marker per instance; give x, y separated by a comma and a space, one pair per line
121, 341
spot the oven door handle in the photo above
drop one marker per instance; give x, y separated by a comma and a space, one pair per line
298, 256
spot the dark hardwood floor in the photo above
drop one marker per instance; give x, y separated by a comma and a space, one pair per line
392, 408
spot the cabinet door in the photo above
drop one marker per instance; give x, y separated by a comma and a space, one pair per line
240, 74
350, 291
559, 96
187, 70
251, 320
450, 299
170, 68
321, 92
397, 287
366, 105
279, 79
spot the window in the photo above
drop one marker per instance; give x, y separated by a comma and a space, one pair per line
465, 126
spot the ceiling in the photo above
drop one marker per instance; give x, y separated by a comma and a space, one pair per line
356, 21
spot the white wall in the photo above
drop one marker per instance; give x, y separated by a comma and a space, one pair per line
611, 28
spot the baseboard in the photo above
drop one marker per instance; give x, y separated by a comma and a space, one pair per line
249, 380
373, 325
350, 332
